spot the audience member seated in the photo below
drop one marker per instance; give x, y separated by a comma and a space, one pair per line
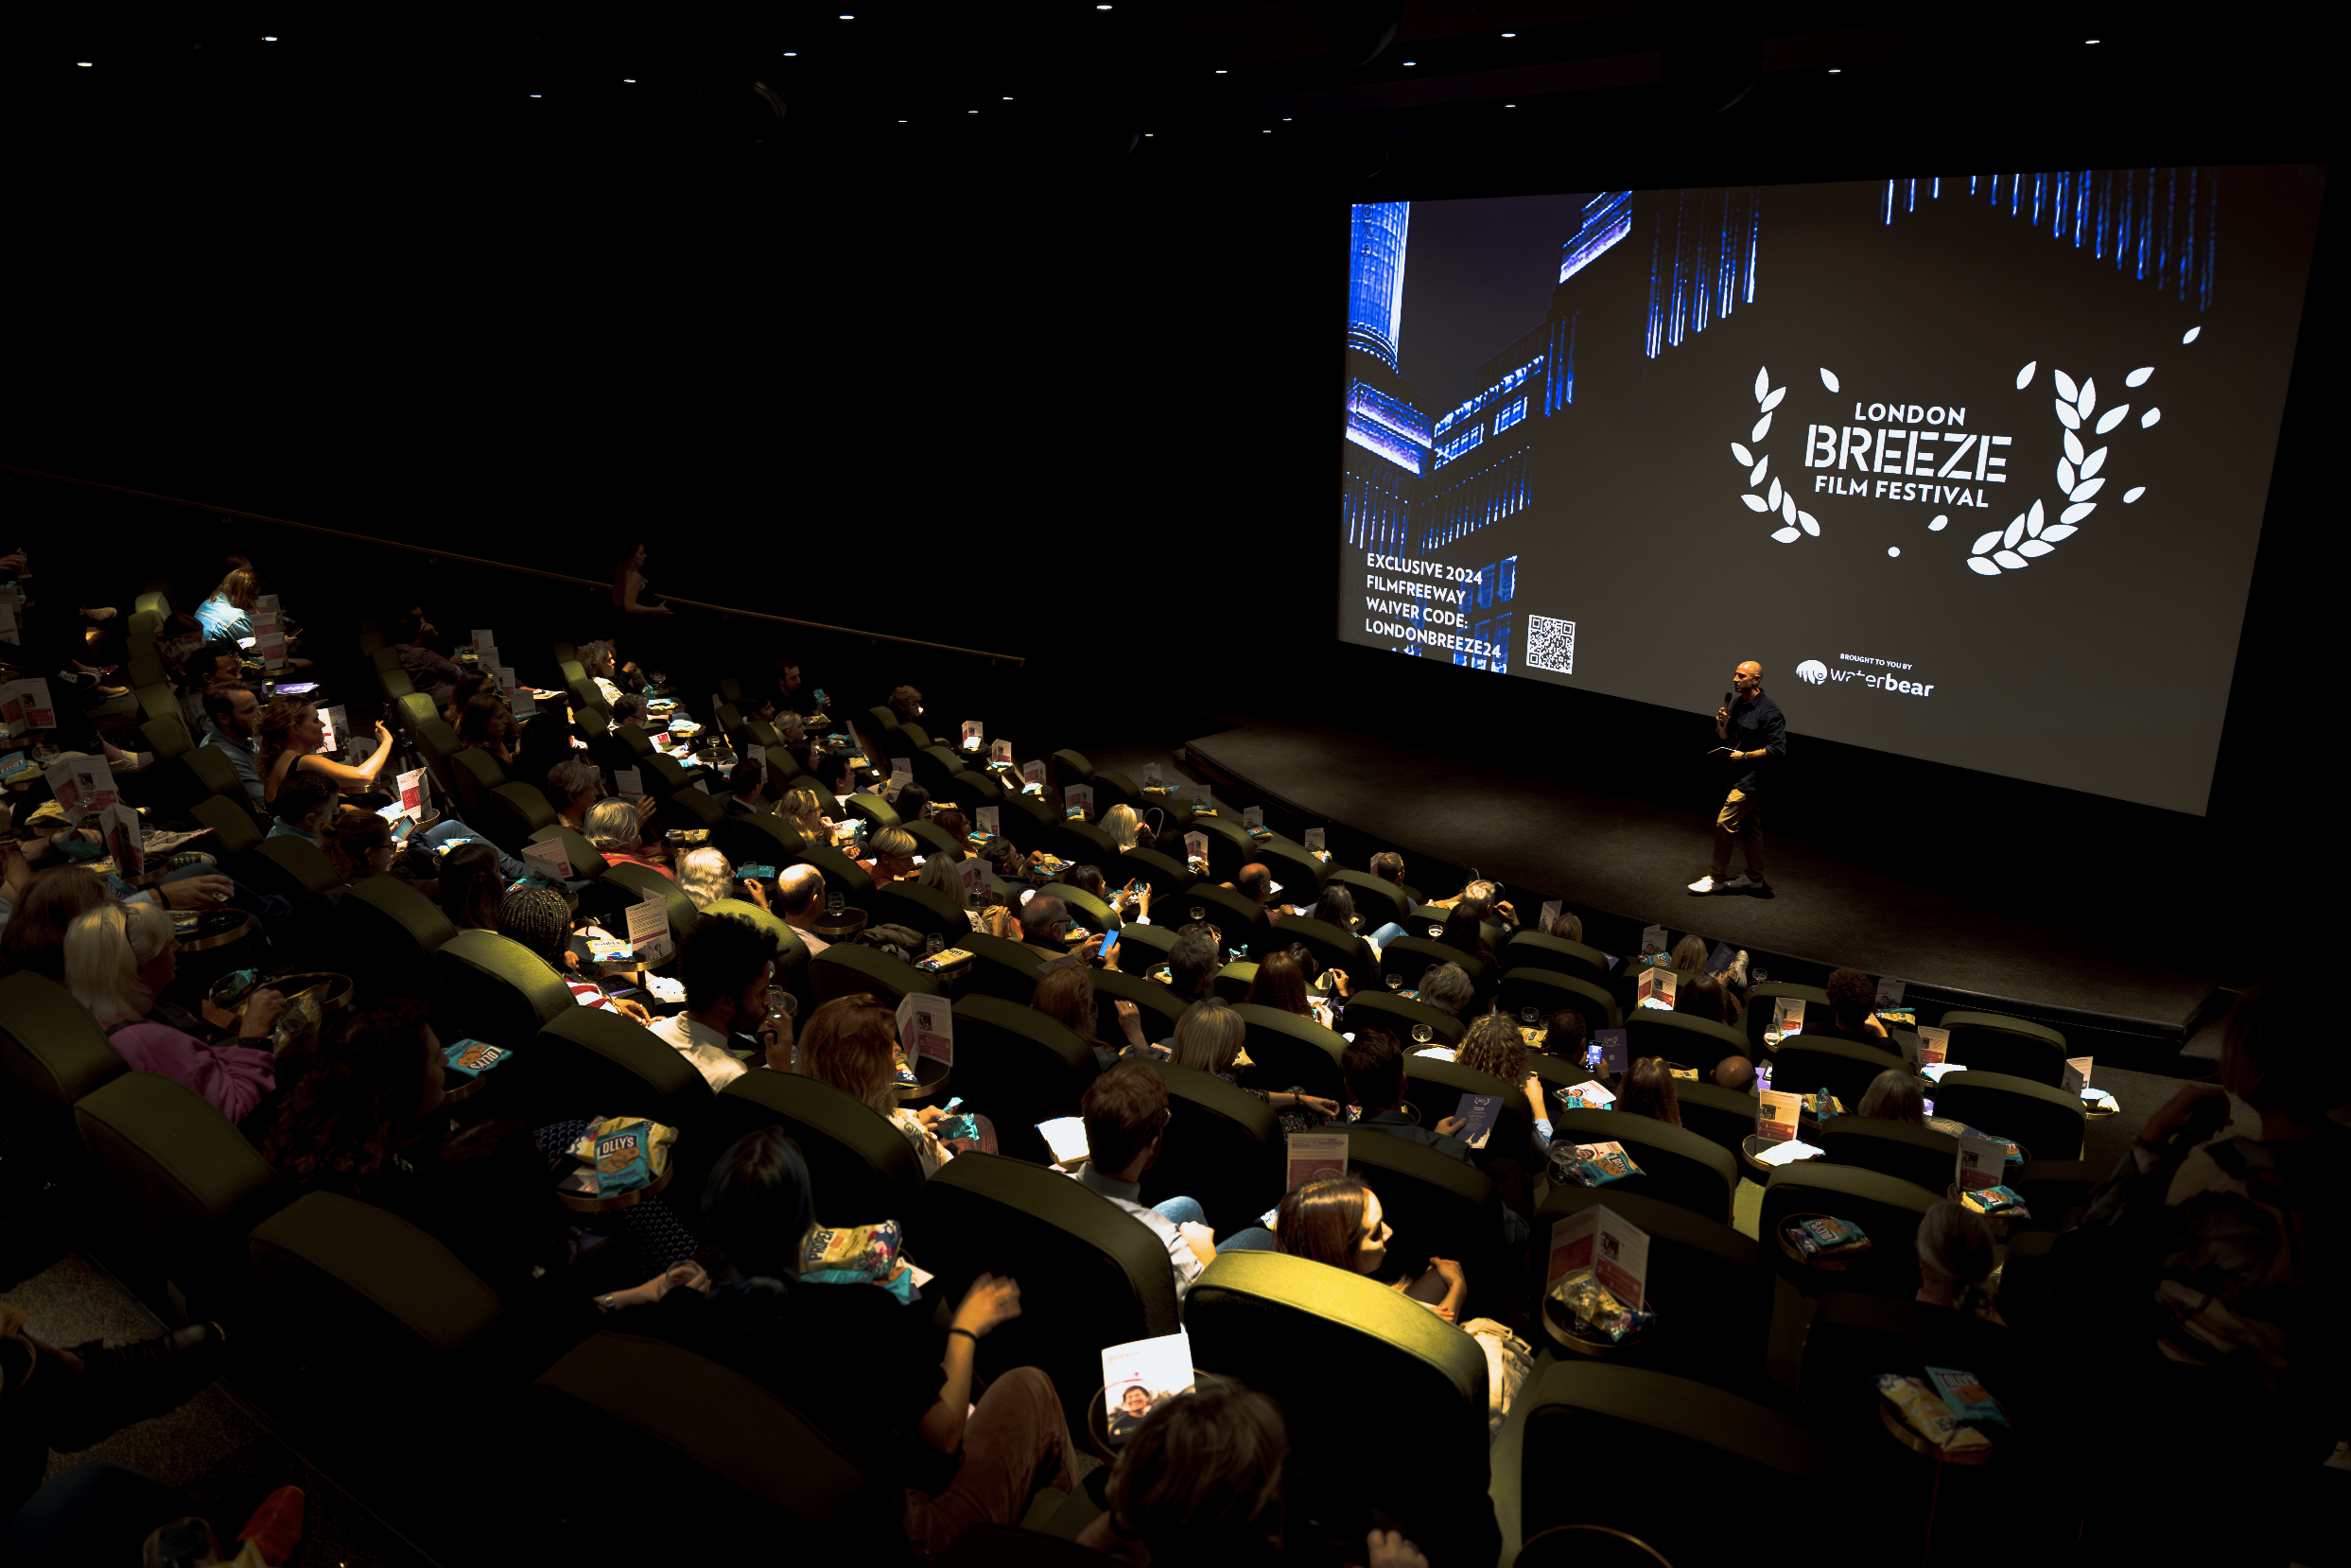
1853, 1001
472, 683
906, 704
1734, 1072
1336, 907
1280, 983
1648, 1091
471, 886
1894, 1095
910, 803
1199, 1481
800, 899
893, 1411
118, 959
852, 1043
1208, 1038
1465, 933
1255, 882
1065, 993
47, 903
200, 669
1123, 826
1447, 987
358, 845
233, 713
1125, 1112
574, 786
628, 712
1956, 1257
890, 855
1703, 997
725, 965
304, 806
487, 725
939, 874
1008, 864
1338, 1221
227, 615
615, 828
704, 876
1192, 963
951, 821
746, 788
1567, 1037
596, 659
1043, 919
1373, 1071
428, 671
1688, 958
359, 1121
1566, 925
803, 809
1494, 1046
289, 736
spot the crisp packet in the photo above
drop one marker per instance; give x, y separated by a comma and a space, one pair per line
2007, 1202
1596, 1308
472, 1059
1970, 1404
1592, 1164
1828, 1238
628, 1152
898, 1062
1928, 1415
939, 962
852, 1253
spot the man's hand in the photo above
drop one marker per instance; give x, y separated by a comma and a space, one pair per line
1338, 984
1503, 908
754, 891
988, 1302
261, 1011
209, 891
1200, 1239
1450, 1127
777, 1036
1319, 1106
634, 1011
646, 806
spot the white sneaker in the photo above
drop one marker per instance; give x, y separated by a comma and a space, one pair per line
1705, 884
1740, 884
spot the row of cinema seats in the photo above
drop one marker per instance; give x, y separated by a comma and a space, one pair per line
345, 1293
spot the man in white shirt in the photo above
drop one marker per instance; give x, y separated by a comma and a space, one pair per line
1125, 1112
800, 898
726, 965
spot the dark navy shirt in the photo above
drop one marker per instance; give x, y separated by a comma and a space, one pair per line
1756, 724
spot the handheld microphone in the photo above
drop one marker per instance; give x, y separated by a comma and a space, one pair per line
1726, 699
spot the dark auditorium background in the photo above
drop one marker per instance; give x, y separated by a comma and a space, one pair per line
1029, 379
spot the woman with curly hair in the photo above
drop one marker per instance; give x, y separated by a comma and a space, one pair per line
289, 737
852, 1043
1494, 1046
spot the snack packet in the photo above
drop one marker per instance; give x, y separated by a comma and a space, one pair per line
1928, 1416
938, 963
1970, 1404
628, 1152
1828, 1238
472, 1059
298, 1020
852, 1254
1596, 1308
1592, 1164
2007, 1202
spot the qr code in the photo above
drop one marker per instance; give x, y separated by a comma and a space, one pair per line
1551, 644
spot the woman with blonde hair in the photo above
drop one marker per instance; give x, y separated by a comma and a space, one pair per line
705, 876
803, 809
228, 614
119, 958
852, 1043
1956, 1257
1123, 826
289, 738
1207, 1039
938, 874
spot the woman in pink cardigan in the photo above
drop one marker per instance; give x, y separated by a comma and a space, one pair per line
119, 958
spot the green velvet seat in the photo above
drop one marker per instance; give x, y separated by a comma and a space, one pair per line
1756, 1020
1238, 919
922, 909
1287, 1051
1677, 1166
1723, 1117
1377, 899
2049, 1123
510, 815
1222, 1146
843, 876
1399, 1016
232, 824
1003, 967
861, 1166
1717, 1446
1529, 948
643, 881
846, 968
1157, 1007
1087, 910
1331, 949
492, 988
760, 839
2017, 1048
1809, 1064
1163, 875
589, 1063
1919, 1156
1853, 1337
1405, 1424
363, 1287
1886, 1209
584, 859
1434, 1088
392, 931
1100, 1278
1413, 957
1680, 1037
1019, 1068
1549, 991
1440, 1206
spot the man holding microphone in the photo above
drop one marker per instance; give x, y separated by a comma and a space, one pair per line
1755, 737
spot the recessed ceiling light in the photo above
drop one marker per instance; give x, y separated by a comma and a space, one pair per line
1151, 133
848, 17
1102, 8
902, 122
1220, 70
1836, 70
1265, 132
272, 37
1007, 97
1285, 119
2089, 41
792, 54
971, 111
630, 79
535, 95
1510, 106
1509, 35
1412, 62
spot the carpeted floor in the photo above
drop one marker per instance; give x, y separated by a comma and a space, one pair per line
212, 1449
1634, 859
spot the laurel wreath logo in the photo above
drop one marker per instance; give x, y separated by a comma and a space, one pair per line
1775, 500
2029, 534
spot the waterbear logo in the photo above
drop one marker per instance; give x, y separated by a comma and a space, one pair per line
1812, 673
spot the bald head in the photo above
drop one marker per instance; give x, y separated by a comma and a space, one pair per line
1254, 882
1747, 678
799, 891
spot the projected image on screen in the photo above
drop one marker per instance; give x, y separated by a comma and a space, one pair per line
1974, 466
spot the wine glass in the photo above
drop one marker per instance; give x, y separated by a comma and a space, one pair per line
1422, 1033
1199, 911
833, 904
1758, 973
1435, 930
934, 943
1395, 982
1530, 1015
